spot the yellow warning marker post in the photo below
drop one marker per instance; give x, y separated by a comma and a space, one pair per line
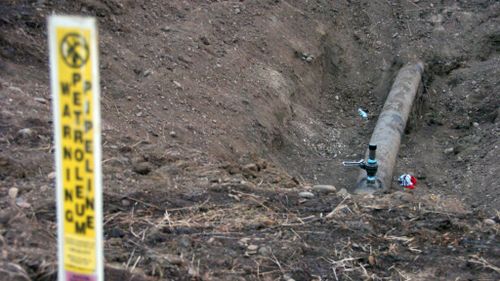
74, 68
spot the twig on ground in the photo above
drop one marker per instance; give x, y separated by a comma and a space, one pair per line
404, 239
130, 259
277, 262
111, 217
481, 261
144, 203
339, 206
136, 262
365, 272
334, 269
246, 194
189, 207
414, 4
137, 143
166, 216
401, 274
258, 269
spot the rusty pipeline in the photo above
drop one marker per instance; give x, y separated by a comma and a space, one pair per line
386, 137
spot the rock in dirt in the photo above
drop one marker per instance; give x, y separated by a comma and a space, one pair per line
249, 171
13, 272
177, 85
205, 40
343, 193
116, 232
252, 247
13, 191
142, 168
243, 242
251, 250
156, 236
147, 72
116, 272
251, 167
22, 203
166, 28
324, 188
360, 225
307, 57
402, 196
264, 251
125, 202
185, 242
489, 222
449, 150
41, 100
52, 175
185, 59
25, 133
306, 194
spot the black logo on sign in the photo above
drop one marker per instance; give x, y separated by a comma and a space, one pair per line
74, 50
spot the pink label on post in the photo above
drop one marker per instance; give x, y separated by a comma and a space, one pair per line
70, 276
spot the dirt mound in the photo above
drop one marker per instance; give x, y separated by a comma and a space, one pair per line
218, 114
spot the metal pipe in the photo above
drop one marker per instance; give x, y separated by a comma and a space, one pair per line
390, 127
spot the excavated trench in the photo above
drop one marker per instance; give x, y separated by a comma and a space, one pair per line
456, 109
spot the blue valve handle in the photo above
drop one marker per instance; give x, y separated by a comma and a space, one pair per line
371, 166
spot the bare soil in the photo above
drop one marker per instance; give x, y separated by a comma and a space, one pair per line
216, 114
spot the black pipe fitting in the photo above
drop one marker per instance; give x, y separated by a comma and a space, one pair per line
371, 166
370, 183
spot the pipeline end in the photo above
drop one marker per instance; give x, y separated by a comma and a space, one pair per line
420, 66
366, 187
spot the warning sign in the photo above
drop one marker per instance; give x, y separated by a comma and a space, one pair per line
75, 94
